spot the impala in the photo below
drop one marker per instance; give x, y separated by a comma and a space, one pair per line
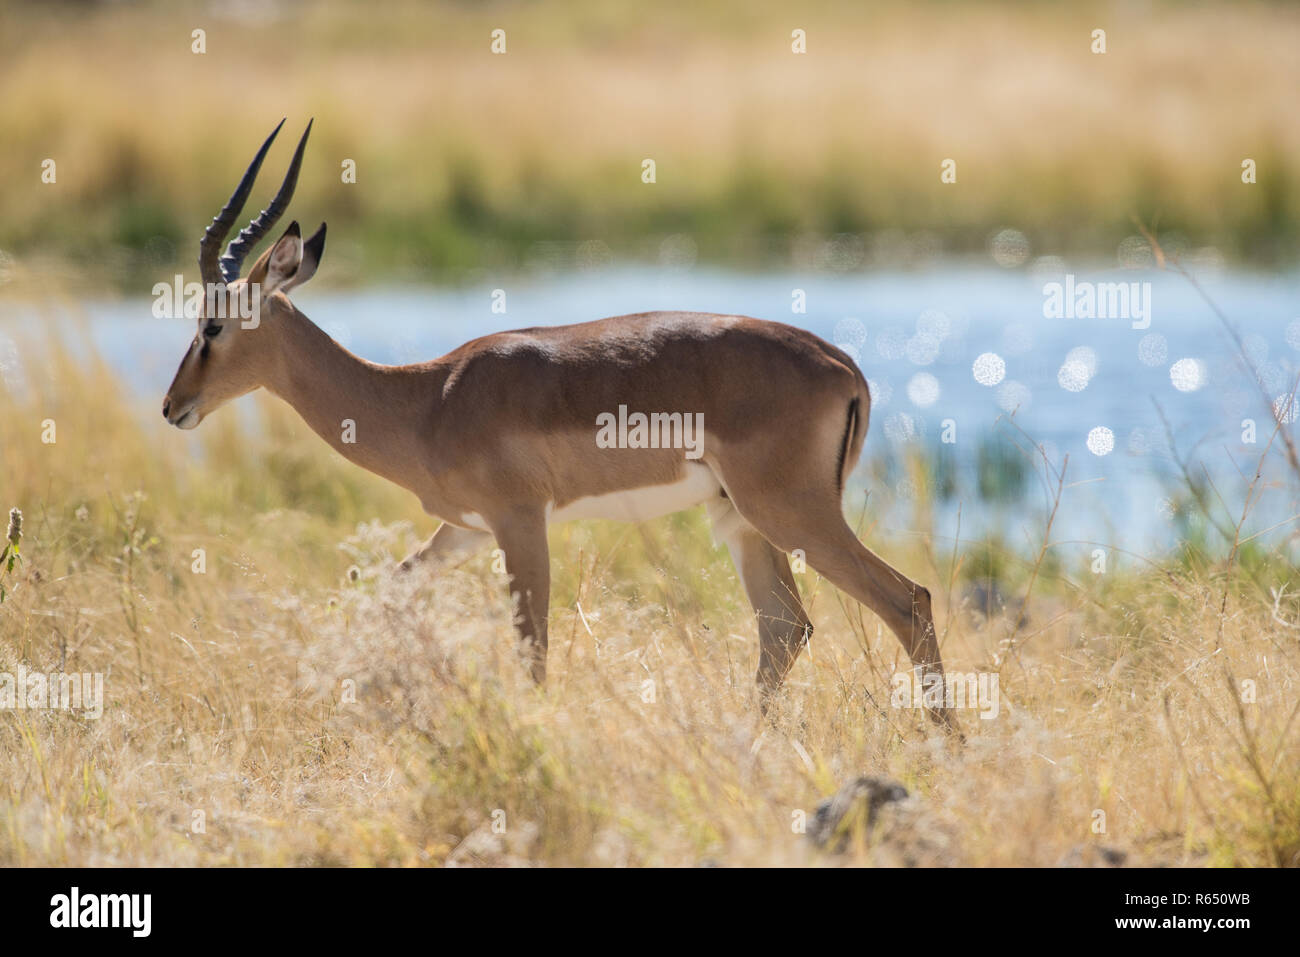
499, 438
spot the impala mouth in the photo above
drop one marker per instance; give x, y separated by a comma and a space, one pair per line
188, 419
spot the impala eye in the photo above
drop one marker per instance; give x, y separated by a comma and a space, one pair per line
211, 330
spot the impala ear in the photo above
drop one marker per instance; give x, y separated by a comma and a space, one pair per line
277, 266
312, 250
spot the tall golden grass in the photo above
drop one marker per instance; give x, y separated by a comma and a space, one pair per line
318, 710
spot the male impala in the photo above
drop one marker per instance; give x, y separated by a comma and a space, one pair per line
499, 437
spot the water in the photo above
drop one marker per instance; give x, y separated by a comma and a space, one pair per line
917, 337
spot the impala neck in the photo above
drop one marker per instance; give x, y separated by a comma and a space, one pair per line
369, 413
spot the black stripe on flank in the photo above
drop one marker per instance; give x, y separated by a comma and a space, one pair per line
844, 446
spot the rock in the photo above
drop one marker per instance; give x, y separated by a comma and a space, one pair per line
856, 804
482, 847
899, 829
1093, 855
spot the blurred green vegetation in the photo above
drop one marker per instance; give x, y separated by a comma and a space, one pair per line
470, 161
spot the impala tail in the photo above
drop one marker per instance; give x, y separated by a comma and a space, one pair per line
855, 433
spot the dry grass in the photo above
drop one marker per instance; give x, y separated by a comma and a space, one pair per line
225, 692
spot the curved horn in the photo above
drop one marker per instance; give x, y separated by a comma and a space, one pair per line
210, 245
252, 234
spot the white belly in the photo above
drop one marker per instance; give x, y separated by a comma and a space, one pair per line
632, 505
638, 505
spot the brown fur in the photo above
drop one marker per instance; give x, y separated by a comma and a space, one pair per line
501, 431
505, 425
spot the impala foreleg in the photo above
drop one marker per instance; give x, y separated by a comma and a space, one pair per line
447, 544
521, 534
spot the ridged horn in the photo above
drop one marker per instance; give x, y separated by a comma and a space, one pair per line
252, 234
210, 245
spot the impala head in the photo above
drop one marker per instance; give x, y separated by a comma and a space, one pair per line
230, 353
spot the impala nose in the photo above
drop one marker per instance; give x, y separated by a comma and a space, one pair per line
167, 406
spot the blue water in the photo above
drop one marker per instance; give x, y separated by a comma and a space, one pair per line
917, 336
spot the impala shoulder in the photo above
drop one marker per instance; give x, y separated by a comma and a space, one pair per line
491, 363
499, 345
278, 305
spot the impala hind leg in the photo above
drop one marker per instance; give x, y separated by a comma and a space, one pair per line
447, 544
783, 625
522, 537
817, 526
